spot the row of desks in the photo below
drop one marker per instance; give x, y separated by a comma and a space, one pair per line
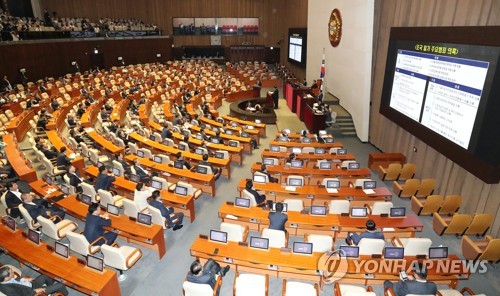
18, 163
309, 158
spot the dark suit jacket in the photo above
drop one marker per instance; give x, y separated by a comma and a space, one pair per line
103, 181
74, 180
277, 220
36, 210
125, 166
94, 227
166, 134
49, 154
63, 160
140, 172
13, 201
403, 288
16, 290
258, 198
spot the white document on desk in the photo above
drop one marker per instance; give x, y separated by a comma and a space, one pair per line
332, 190
369, 191
290, 188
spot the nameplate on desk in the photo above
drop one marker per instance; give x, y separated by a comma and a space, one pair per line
388, 229
232, 217
294, 225
272, 267
253, 220
304, 212
285, 251
228, 260
50, 248
243, 244
336, 228
369, 276
310, 196
81, 261
230, 203
290, 188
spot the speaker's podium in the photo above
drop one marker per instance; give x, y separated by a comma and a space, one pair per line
269, 100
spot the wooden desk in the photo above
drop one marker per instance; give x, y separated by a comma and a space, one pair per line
55, 140
103, 142
314, 195
261, 127
126, 188
310, 159
271, 262
119, 111
205, 182
314, 175
231, 97
237, 129
332, 224
88, 118
384, 159
247, 145
147, 236
299, 144
67, 271
17, 161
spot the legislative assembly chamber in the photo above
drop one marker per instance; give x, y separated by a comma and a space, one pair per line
250, 147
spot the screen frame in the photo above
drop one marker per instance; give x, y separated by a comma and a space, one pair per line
348, 247
302, 32
65, 246
398, 258
247, 201
217, 241
98, 259
435, 248
260, 238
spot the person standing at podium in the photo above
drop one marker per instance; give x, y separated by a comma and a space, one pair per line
276, 96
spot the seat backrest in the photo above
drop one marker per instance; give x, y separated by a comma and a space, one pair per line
133, 147
208, 169
156, 216
164, 158
410, 187
432, 204
339, 206
277, 238
451, 204
113, 257
85, 149
426, 187
250, 196
417, 246
105, 197
492, 251
94, 157
307, 150
407, 171
27, 217
48, 227
78, 243
119, 166
381, 207
147, 153
169, 142
234, 231
370, 246
480, 224
263, 175
295, 205
193, 289
88, 190
225, 153
458, 224
393, 171
295, 177
130, 208
164, 183
321, 243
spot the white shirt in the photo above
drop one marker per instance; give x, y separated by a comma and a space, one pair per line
140, 197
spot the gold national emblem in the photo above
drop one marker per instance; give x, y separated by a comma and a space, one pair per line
335, 28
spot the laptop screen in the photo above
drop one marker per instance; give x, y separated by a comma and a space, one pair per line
65, 189
144, 218
353, 166
349, 251
306, 140
62, 249
234, 124
215, 129
113, 210
283, 139
86, 199
181, 190
438, 252
318, 210
140, 153
233, 143
229, 132
95, 262
116, 172
397, 212
199, 137
135, 178
358, 212
34, 236
328, 140
268, 161
244, 134
242, 202
199, 151
295, 182
219, 155
341, 151
157, 159
274, 148
369, 184
319, 150
49, 180
178, 164
394, 253
156, 184
181, 147
325, 165
201, 169
215, 141
99, 164
332, 184
297, 164
259, 179
152, 137
296, 150
218, 236
303, 248
141, 132
259, 243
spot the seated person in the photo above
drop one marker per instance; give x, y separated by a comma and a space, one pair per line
113, 126
125, 165
216, 171
141, 172
11, 286
94, 223
104, 114
54, 105
263, 169
75, 180
40, 207
206, 274
190, 146
284, 134
371, 232
62, 159
104, 179
49, 153
277, 220
42, 122
78, 138
173, 219
291, 158
259, 199
13, 199
141, 195
184, 162
416, 284
71, 120
166, 133
80, 111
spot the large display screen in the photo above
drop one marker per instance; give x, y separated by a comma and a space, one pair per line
440, 84
297, 46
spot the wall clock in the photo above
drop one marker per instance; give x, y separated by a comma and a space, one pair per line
335, 28
215, 40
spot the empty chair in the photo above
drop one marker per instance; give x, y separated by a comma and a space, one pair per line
119, 166
235, 232
450, 292
195, 192
78, 243
390, 173
380, 207
408, 189
299, 289
480, 224
132, 147
105, 198
413, 246
426, 206
121, 258
89, 190
250, 284
27, 217
426, 188
338, 206
164, 183
169, 142
457, 224
308, 150
56, 231
147, 153
371, 246
486, 249
246, 194
53, 170
450, 205
95, 158
321, 243
194, 289
295, 205
131, 208
407, 172
352, 290
277, 238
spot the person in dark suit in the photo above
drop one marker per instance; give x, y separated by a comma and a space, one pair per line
62, 159
173, 219
416, 284
13, 199
42, 122
216, 171
80, 111
10, 285
71, 121
206, 274
166, 133
54, 105
79, 139
276, 97
180, 158
75, 180
371, 232
113, 126
141, 172
277, 220
259, 199
50, 154
104, 179
39, 207
263, 169
125, 165
94, 223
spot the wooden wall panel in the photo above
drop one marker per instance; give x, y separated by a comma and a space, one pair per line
387, 136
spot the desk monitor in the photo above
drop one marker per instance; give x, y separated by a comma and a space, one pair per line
65, 189
349, 251
302, 248
9, 222
397, 212
394, 253
140, 153
62, 250
296, 150
116, 172
200, 169
438, 252
219, 155
244, 134
258, 121
181, 147
100, 164
200, 137
259, 243
215, 140
353, 166
296, 164
229, 132
333, 184
157, 159
34, 236
319, 150
215, 129
283, 139
141, 132
268, 161
318, 210
156, 184
113, 210
242, 202
328, 140
259, 179
181, 190
370, 184
178, 164
234, 124
274, 148
306, 140
218, 236
145, 219
285, 207
48, 180
325, 165
295, 182
233, 143
341, 151
152, 137
135, 178
95, 263
86, 199
199, 151
358, 212
250, 127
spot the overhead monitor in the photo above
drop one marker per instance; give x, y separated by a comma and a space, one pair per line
297, 46
218, 236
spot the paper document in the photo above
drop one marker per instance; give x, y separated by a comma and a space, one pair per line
369, 191
290, 188
332, 190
